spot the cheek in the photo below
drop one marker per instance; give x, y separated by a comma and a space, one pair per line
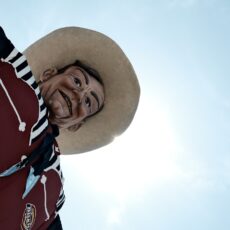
84, 112
80, 111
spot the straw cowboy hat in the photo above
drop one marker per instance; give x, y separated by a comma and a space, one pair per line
64, 46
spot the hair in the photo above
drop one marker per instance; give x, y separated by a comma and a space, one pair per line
92, 72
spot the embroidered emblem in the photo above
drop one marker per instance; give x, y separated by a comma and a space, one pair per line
29, 217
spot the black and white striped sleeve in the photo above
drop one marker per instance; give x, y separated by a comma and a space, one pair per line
11, 55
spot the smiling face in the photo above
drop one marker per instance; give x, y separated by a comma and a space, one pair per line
71, 96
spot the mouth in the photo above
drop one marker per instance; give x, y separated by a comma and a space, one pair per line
67, 100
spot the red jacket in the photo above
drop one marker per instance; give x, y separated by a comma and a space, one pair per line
31, 191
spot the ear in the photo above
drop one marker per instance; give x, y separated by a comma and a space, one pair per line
47, 74
75, 127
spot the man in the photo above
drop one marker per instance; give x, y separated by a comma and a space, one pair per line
64, 96
71, 95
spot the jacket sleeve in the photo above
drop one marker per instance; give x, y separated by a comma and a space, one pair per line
6, 47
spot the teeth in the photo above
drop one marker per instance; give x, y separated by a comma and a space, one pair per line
67, 101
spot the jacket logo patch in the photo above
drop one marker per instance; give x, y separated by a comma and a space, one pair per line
29, 217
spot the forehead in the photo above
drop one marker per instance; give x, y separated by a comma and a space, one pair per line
83, 72
75, 69
94, 84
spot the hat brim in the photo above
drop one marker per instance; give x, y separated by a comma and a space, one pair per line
122, 91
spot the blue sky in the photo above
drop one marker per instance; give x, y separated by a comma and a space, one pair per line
171, 169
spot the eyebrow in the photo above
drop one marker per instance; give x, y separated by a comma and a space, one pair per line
85, 75
87, 82
96, 98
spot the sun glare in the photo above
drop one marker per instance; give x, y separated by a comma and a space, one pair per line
144, 155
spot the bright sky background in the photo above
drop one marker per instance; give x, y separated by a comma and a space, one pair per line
171, 169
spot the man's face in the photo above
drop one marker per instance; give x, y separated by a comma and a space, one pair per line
71, 96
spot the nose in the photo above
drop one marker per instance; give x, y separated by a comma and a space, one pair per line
80, 94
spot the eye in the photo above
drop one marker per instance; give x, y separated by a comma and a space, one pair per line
88, 102
77, 82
